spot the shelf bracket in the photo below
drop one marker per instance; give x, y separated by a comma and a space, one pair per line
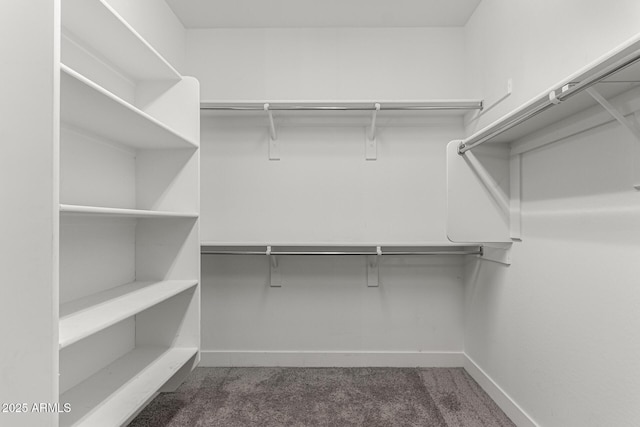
275, 278
371, 146
500, 254
373, 269
515, 198
274, 153
631, 126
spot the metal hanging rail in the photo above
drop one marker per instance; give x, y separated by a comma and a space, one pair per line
554, 97
346, 106
334, 250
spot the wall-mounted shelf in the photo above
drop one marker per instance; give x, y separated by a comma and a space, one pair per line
484, 170
347, 113
114, 394
122, 213
86, 105
613, 74
95, 24
89, 315
209, 248
372, 252
368, 114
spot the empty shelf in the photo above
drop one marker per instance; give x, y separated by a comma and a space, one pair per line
88, 106
99, 27
114, 394
123, 213
86, 316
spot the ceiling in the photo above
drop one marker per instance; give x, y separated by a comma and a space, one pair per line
322, 13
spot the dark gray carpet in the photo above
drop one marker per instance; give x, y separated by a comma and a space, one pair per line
437, 397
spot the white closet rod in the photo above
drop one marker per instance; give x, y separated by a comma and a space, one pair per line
478, 251
430, 107
555, 97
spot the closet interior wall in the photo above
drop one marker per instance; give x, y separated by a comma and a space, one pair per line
556, 330
322, 190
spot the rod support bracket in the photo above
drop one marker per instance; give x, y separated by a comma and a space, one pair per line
275, 276
631, 125
274, 152
499, 253
371, 145
373, 268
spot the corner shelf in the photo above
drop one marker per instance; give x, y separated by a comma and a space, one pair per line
122, 213
86, 105
615, 73
86, 316
114, 394
489, 177
101, 28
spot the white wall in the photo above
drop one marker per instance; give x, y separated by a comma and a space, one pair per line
326, 63
156, 23
557, 330
537, 44
325, 315
323, 190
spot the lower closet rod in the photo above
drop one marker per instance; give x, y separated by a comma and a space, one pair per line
478, 252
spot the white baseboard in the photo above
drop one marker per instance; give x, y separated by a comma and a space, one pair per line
399, 359
502, 399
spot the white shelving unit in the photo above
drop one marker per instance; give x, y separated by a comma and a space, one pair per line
89, 106
129, 219
110, 397
483, 170
86, 316
107, 30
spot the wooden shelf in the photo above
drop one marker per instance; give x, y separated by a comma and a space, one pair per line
86, 105
86, 316
114, 394
122, 213
98, 26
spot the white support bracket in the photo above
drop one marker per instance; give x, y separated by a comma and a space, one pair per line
488, 181
627, 124
274, 153
275, 278
515, 197
497, 253
371, 145
373, 269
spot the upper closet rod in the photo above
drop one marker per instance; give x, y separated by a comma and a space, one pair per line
475, 105
555, 97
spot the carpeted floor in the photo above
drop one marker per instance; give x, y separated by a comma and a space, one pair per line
438, 397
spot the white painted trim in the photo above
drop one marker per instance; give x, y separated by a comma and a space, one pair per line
396, 359
502, 399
